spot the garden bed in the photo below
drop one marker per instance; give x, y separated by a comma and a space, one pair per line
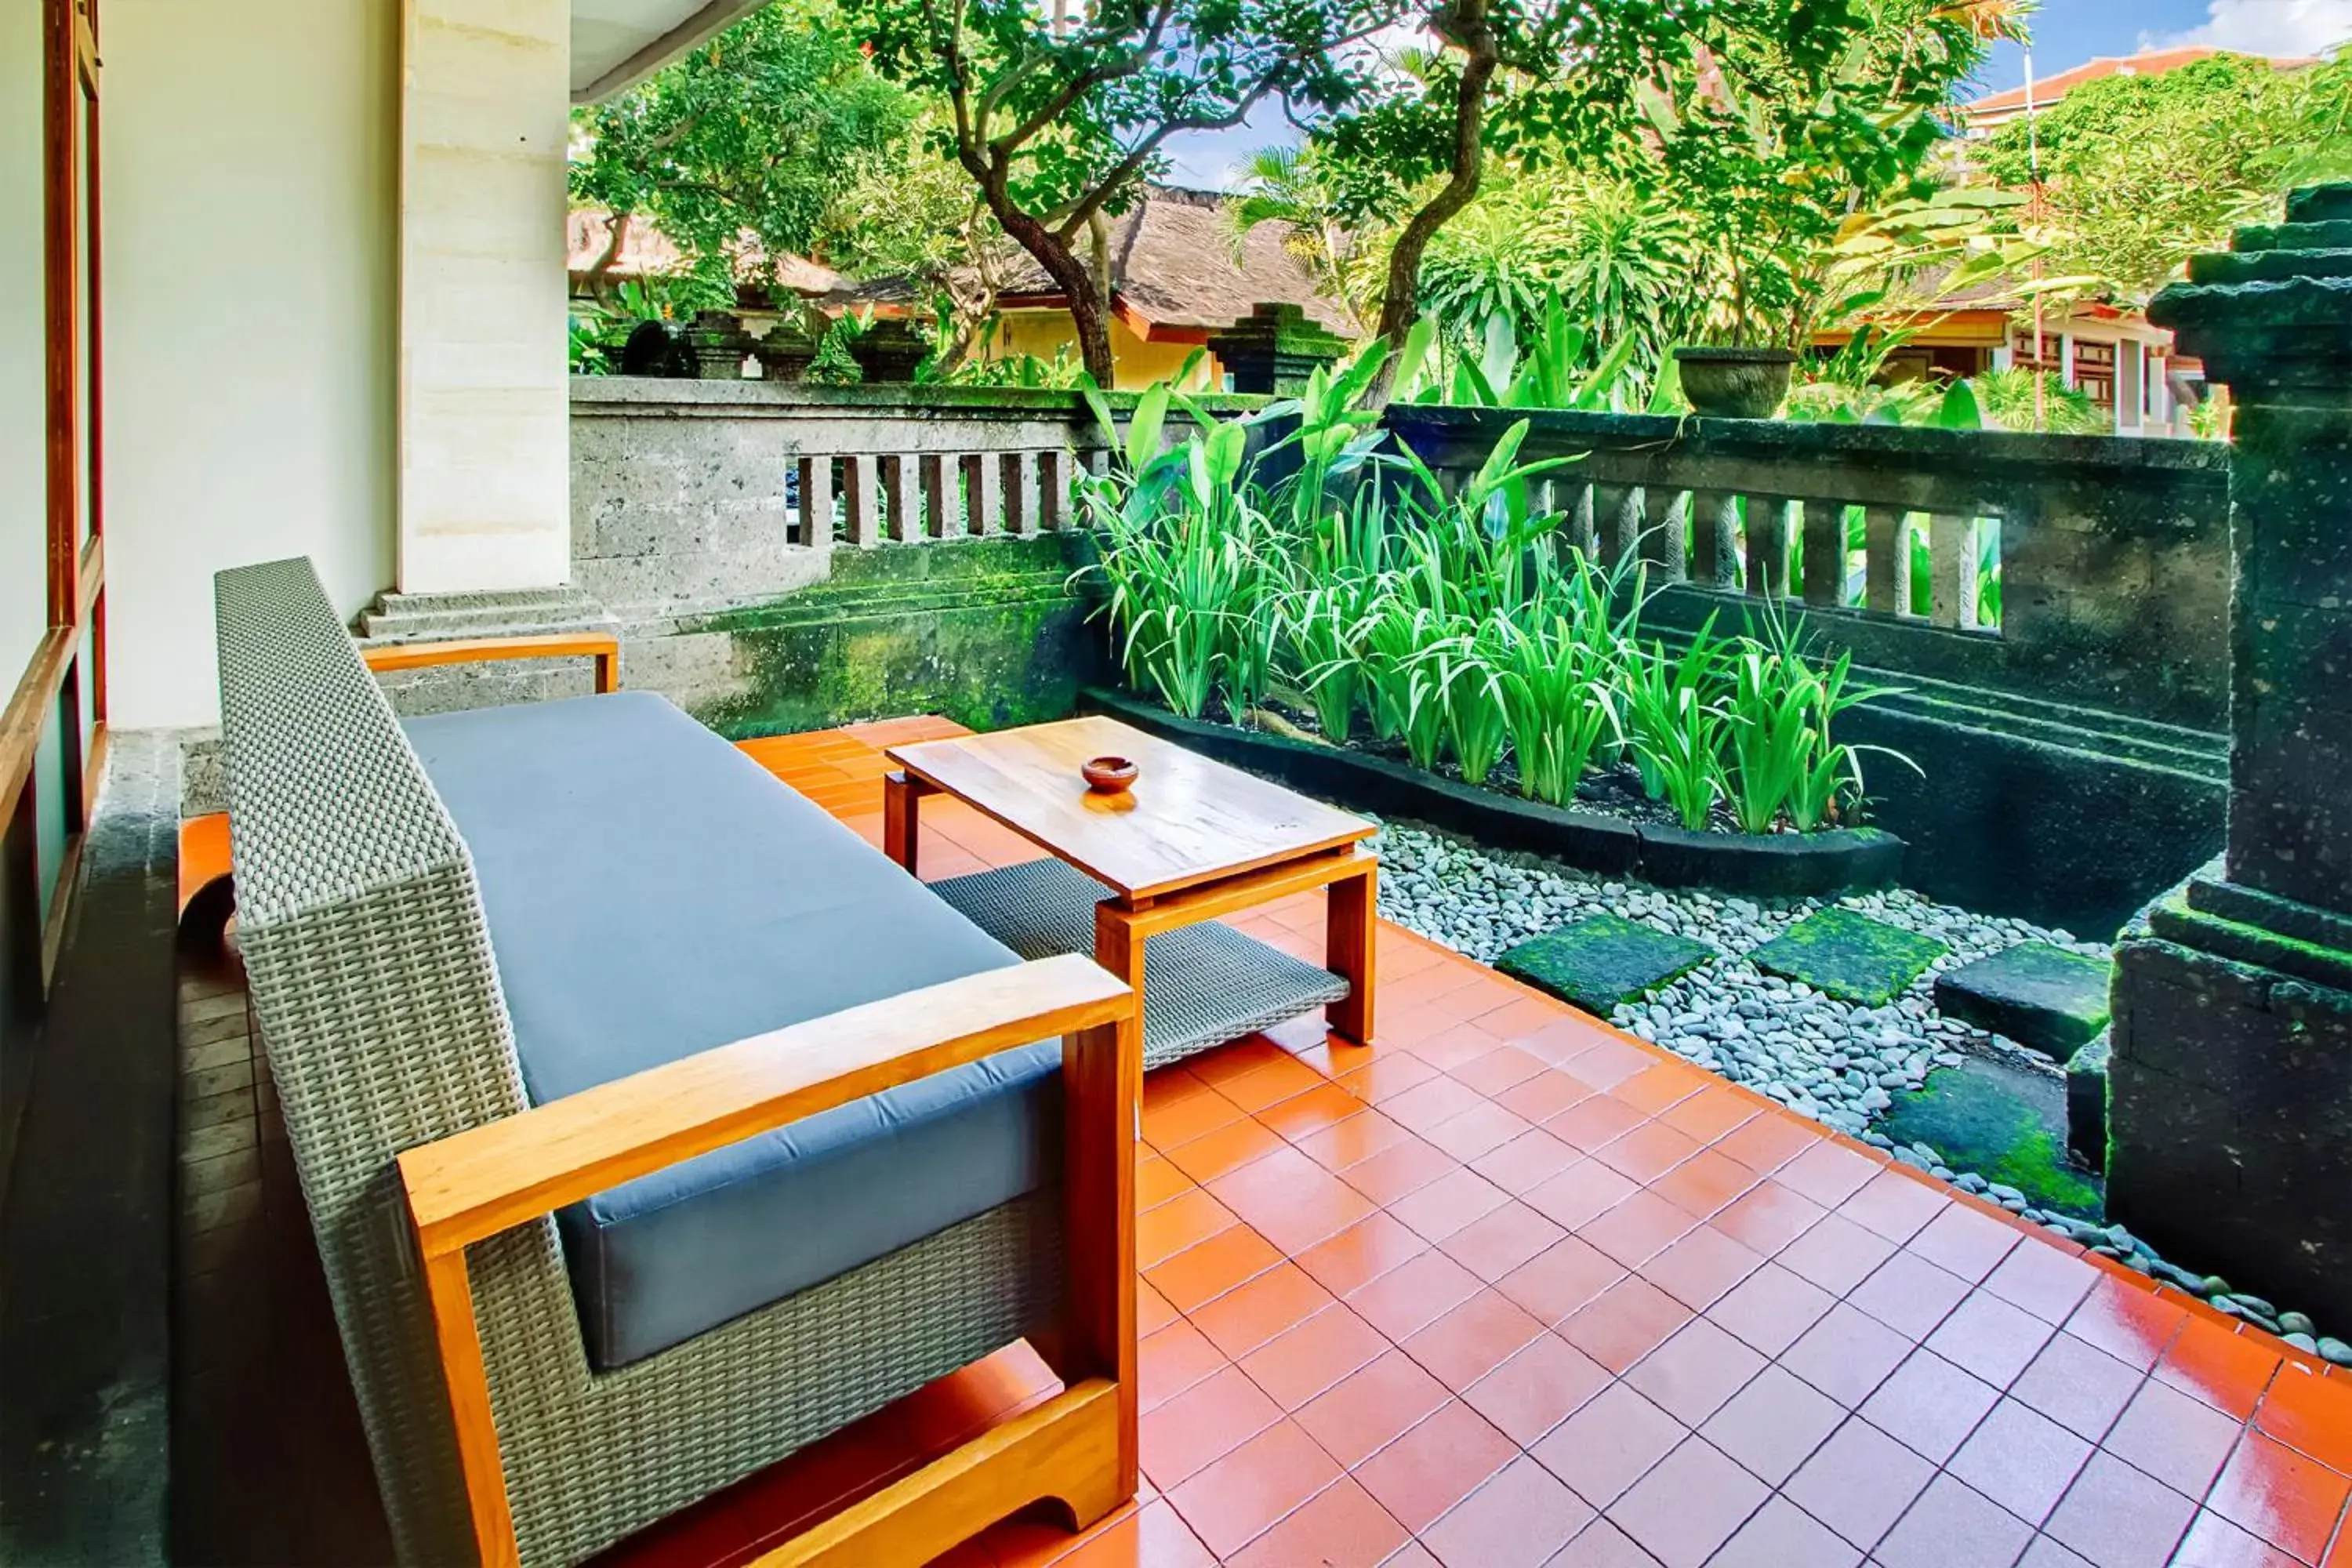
1774, 865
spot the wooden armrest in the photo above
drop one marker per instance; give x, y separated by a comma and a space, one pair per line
603, 646
480, 1182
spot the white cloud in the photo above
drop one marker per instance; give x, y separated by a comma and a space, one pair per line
2265, 27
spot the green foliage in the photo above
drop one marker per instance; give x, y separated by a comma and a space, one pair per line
1063, 372
1559, 369
1673, 727
740, 149
597, 330
2140, 172
585, 352
1057, 114
1286, 185
834, 363
1452, 620
909, 211
1472, 695
2007, 398
1553, 682
1780, 709
1791, 132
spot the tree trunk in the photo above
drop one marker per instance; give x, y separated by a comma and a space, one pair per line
616, 235
1098, 243
1088, 313
1467, 25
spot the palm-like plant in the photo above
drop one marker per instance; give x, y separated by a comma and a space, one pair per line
1283, 185
1626, 273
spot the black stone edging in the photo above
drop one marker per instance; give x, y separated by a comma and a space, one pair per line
1781, 865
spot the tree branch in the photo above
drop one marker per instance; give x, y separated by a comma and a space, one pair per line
1467, 23
1087, 80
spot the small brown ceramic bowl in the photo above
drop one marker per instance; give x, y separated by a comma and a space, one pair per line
1110, 775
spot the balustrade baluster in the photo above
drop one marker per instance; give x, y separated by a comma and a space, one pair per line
939, 491
1665, 540
1952, 570
862, 496
1767, 545
983, 492
1887, 561
1582, 531
1824, 526
901, 502
1714, 538
1053, 481
1617, 514
1020, 493
815, 477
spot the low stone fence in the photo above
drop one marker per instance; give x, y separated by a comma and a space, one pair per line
2070, 745
2111, 555
2069, 752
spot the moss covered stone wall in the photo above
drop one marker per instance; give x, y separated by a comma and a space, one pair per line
988, 632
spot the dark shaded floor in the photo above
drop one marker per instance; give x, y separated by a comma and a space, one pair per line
85, 1232
269, 1464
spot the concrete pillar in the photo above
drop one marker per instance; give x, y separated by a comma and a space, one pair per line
2231, 1086
483, 417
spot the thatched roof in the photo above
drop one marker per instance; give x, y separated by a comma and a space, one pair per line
1173, 263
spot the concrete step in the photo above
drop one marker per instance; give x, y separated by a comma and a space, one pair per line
415, 617
2039, 995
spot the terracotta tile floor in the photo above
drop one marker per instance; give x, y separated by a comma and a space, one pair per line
1512, 1288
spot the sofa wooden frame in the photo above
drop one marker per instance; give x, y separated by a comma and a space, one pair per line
1077, 1450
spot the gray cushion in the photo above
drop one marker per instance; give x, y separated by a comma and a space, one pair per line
652, 892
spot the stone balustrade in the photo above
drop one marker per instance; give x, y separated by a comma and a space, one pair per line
2111, 556
706, 472
2071, 748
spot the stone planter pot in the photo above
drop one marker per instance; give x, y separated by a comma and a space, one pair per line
1736, 384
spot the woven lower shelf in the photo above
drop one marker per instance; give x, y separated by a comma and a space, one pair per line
1203, 984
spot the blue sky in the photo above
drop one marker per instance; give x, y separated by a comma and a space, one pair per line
2065, 33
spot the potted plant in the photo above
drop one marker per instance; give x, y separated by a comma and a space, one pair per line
1777, 151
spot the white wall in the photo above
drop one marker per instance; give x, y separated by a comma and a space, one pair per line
251, 275
24, 524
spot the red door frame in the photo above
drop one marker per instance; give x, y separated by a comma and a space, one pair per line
64, 685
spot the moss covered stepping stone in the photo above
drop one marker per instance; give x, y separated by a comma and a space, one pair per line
1849, 956
1601, 962
2006, 1123
2037, 995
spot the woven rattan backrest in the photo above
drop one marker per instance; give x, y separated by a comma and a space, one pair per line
374, 987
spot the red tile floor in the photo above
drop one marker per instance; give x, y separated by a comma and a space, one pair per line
1511, 1288
1506, 1289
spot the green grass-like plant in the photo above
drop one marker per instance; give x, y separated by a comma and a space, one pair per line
1471, 694
1559, 709
1451, 617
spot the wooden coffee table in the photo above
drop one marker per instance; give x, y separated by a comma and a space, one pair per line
1191, 840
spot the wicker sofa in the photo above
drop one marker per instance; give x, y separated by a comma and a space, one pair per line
653, 1125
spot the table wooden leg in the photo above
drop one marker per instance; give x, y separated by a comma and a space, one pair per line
1119, 947
900, 828
1350, 936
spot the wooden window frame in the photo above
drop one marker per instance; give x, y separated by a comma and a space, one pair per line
63, 685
